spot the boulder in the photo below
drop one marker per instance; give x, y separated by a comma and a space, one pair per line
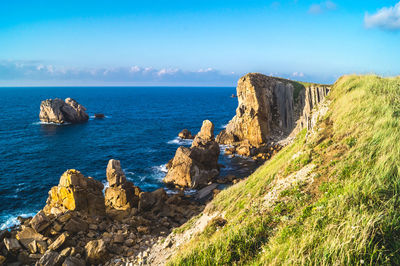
59, 241
60, 112
28, 235
73, 261
122, 195
12, 244
99, 115
152, 200
197, 165
115, 174
50, 258
185, 134
76, 192
96, 252
40, 221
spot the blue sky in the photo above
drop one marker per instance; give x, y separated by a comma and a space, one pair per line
194, 42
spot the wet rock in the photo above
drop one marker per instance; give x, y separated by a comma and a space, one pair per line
60, 112
96, 252
76, 192
99, 115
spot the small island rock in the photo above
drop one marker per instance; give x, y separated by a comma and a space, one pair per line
60, 112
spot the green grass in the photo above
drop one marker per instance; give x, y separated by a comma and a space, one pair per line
350, 214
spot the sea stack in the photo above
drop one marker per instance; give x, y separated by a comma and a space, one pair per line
195, 166
60, 112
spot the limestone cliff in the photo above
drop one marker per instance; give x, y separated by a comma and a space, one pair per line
268, 109
265, 106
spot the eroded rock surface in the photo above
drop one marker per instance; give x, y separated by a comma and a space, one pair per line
265, 106
185, 134
197, 165
60, 112
75, 192
121, 194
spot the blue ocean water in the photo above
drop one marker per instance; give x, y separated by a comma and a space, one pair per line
140, 129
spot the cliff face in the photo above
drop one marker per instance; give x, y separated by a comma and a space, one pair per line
308, 100
265, 106
267, 109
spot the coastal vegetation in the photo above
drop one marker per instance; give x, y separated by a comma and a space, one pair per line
331, 197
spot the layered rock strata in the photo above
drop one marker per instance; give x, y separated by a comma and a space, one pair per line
195, 166
265, 106
268, 111
60, 112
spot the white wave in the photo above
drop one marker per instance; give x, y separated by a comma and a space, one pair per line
179, 141
13, 221
224, 126
50, 123
159, 171
106, 116
106, 185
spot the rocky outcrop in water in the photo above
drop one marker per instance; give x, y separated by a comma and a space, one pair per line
60, 112
197, 165
185, 134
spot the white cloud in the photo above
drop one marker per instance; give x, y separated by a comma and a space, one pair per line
387, 18
322, 7
40, 72
298, 74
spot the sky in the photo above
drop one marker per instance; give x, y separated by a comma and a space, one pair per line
193, 42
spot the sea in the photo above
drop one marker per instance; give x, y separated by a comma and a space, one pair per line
140, 129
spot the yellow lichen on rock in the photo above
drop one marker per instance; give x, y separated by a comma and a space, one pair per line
75, 192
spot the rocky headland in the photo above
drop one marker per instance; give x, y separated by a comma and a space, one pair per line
83, 224
60, 112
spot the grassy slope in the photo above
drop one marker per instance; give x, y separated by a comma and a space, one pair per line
349, 215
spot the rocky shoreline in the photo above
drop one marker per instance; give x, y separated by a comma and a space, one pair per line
81, 225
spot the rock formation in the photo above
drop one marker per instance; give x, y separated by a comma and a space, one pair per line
60, 112
75, 192
122, 195
265, 106
309, 99
268, 112
185, 134
197, 165
74, 228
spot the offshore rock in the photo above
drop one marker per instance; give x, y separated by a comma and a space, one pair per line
121, 195
185, 134
265, 106
76, 192
60, 112
197, 165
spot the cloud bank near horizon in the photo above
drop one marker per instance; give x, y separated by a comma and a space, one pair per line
37, 73
12, 72
386, 18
